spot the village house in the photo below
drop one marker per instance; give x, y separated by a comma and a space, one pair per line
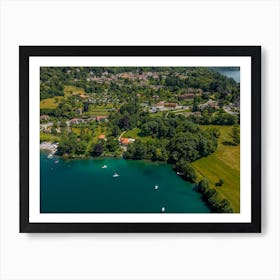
83, 96
160, 104
44, 117
102, 137
126, 141
77, 121
170, 104
187, 96
46, 129
125, 75
210, 103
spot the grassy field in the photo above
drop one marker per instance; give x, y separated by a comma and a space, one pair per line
133, 133
224, 164
69, 90
48, 137
51, 103
157, 114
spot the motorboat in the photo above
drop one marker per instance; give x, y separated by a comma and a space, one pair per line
104, 166
116, 175
156, 187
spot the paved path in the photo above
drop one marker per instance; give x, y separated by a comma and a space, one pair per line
228, 110
68, 126
121, 135
45, 125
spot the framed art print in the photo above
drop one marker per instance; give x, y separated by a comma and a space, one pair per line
140, 138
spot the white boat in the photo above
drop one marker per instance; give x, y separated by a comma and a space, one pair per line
180, 173
56, 161
116, 175
50, 155
104, 166
156, 187
163, 209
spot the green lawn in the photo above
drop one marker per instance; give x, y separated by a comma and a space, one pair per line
103, 111
157, 114
133, 133
180, 111
69, 90
49, 137
224, 164
50, 103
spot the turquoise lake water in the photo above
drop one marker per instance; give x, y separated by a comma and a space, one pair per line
83, 186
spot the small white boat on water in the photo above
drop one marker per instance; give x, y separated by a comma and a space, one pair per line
50, 155
180, 173
163, 209
104, 166
56, 161
156, 187
115, 175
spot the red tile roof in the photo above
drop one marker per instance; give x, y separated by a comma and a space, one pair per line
125, 141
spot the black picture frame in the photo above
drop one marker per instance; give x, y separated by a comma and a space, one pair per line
25, 52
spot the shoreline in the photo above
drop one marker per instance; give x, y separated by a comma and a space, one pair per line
49, 146
146, 161
107, 157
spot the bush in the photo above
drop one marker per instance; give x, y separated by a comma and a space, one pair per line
220, 183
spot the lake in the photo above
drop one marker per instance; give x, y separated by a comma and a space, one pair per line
230, 73
83, 186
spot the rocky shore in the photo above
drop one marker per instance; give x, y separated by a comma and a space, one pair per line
49, 146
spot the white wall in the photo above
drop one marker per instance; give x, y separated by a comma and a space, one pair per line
138, 256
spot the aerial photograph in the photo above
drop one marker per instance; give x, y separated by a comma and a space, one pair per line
140, 140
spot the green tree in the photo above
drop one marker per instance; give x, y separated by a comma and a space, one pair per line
112, 144
220, 183
53, 130
160, 154
236, 134
186, 170
203, 185
97, 150
81, 147
196, 101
